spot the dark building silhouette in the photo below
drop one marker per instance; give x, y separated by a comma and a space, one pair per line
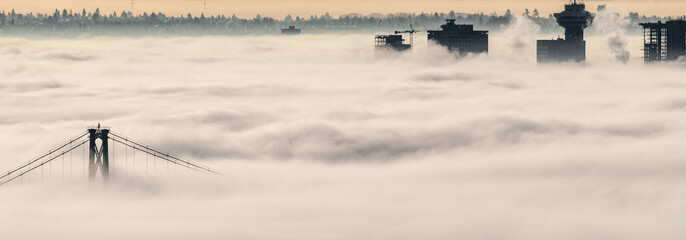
291, 30
391, 42
560, 50
574, 19
460, 37
664, 41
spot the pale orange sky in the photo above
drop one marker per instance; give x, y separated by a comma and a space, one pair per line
280, 8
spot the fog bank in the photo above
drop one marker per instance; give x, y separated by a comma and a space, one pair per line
324, 140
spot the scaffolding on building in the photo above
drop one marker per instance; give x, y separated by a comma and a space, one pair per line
391, 42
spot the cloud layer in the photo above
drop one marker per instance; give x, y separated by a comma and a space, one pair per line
325, 140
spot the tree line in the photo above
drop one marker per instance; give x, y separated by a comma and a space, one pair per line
71, 23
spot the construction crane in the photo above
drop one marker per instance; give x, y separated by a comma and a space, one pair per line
411, 32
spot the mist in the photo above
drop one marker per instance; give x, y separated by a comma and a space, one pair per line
613, 27
324, 139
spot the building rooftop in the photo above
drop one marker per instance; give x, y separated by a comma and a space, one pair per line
574, 13
450, 26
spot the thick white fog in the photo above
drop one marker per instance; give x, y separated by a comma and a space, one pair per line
324, 140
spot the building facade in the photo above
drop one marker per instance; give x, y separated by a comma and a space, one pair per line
560, 50
664, 41
460, 38
391, 42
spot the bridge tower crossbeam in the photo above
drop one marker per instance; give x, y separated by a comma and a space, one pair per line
98, 156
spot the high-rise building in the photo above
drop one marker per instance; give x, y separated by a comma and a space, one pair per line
460, 37
391, 42
574, 19
664, 41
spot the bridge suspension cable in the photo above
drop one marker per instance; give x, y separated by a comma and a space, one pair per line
43, 156
9, 179
164, 156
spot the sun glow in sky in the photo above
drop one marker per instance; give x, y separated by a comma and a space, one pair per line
280, 8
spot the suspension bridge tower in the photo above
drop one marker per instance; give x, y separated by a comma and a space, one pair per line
98, 139
98, 157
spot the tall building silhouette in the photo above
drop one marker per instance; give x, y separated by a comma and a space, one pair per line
460, 37
664, 41
574, 19
391, 42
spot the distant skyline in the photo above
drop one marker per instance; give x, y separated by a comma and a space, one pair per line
280, 8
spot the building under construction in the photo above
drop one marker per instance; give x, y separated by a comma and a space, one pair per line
291, 30
460, 37
574, 19
391, 42
664, 41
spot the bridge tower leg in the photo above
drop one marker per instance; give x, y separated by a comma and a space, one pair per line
98, 157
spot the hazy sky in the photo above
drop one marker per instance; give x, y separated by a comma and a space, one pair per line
279, 8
